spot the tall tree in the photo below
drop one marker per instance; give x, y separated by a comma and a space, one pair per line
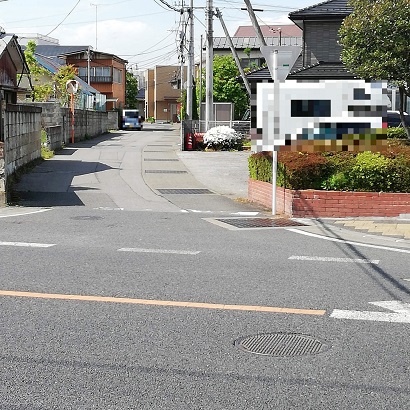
131, 90
375, 43
226, 86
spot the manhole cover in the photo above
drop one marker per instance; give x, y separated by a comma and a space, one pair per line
86, 218
259, 222
192, 191
163, 171
281, 344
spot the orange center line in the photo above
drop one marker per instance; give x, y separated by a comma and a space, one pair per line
198, 305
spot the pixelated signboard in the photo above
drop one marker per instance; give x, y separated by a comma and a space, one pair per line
325, 115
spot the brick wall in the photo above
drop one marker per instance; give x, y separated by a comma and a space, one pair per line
326, 204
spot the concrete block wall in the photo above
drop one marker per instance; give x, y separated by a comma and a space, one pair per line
54, 137
312, 203
87, 123
22, 136
113, 120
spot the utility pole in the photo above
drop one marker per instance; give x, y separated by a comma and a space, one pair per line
209, 97
88, 66
181, 50
200, 85
262, 44
191, 63
234, 53
255, 24
96, 24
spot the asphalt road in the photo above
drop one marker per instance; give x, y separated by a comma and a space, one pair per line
115, 296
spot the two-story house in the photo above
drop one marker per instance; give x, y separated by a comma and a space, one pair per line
163, 93
103, 71
320, 53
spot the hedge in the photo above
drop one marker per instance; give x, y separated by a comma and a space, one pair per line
385, 171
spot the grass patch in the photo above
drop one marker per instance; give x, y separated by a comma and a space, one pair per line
46, 153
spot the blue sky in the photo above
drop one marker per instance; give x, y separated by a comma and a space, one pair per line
144, 32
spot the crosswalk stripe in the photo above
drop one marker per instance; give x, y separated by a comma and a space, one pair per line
330, 259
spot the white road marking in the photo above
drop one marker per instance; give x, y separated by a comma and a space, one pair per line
142, 250
367, 245
330, 259
28, 244
406, 279
401, 313
107, 208
245, 213
25, 213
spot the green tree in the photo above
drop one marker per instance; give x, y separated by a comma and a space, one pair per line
60, 78
44, 84
375, 43
226, 86
131, 90
42, 90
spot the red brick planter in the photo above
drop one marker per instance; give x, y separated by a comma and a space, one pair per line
337, 204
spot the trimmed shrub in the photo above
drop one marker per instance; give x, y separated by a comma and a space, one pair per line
222, 138
387, 171
260, 166
302, 170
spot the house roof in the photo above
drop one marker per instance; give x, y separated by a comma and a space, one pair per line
51, 50
326, 9
54, 50
322, 71
52, 65
242, 42
287, 30
319, 71
9, 42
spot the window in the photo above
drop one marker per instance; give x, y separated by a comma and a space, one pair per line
117, 75
82, 71
310, 108
101, 71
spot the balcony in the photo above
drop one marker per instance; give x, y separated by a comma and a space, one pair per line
98, 78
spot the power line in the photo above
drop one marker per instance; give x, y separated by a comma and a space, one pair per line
58, 25
168, 5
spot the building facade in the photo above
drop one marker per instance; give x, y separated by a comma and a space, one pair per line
163, 93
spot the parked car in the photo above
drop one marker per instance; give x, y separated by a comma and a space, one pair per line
131, 119
393, 119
